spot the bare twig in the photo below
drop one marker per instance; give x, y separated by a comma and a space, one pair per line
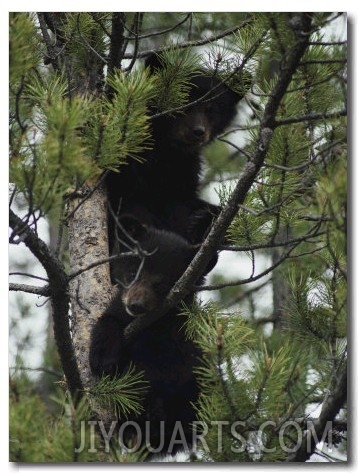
138, 26
58, 291
52, 48
162, 32
28, 275
310, 117
328, 43
116, 45
88, 46
36, 290
337, 396
246, 248
324, 61
188, 44
85, 268
252, 278
45, 370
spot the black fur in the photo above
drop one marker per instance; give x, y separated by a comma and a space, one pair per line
163, 190
161, 350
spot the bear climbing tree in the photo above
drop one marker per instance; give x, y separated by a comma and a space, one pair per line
162, 190
162, 187
162, 351
94, 97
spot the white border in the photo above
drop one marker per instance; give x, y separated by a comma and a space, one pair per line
182, 5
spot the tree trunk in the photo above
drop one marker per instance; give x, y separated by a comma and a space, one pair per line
91, 289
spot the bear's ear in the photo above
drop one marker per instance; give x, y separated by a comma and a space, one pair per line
154, 61
131, 228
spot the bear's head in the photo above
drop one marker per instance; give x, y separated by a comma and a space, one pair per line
214, 107
155, 260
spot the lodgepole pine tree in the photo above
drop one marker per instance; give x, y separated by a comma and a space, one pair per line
273, 325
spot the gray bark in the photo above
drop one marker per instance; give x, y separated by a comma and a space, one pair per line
90, 291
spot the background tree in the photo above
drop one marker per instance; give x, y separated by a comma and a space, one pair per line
79, 101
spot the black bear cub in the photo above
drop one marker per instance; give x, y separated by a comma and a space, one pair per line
161, 350
163, 190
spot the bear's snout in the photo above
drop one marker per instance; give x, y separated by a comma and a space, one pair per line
139, 300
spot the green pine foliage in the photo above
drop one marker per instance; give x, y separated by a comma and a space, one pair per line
246, 380
118, 129
48, 157
123, 394
25, 53
38, 434
262, 375
172, 80
79, 33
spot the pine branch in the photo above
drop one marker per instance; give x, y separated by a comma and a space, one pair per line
58, 292
36, 290
324, 61
252, 278
101, 24
311, 117
161, 32
238, 149
252, 168
138, 25
269, 245
210, 93
85, 268
222, 377
88, 46
330, 409
125, 393
248, 294
116, 45
53, 50
28, 275
45, 370
285, 256
328, 43
189, 44
45, 290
